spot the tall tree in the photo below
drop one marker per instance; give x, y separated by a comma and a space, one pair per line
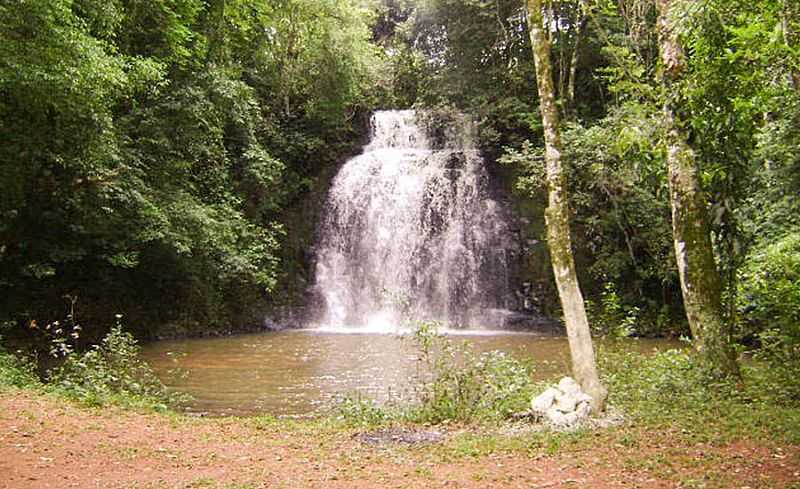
581, 24
149, 142
584, 366
700, 280
790, 35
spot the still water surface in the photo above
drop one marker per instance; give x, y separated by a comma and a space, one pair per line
294, 373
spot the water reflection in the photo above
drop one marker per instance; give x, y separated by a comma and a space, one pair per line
300, 372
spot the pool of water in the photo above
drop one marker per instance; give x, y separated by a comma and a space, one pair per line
300, 372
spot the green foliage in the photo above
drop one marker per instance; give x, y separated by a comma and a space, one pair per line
769, 303
111, 372
770, 285
770, 213
149, 149
357, 411
780, 349
16, 370
658, 385
619, 193
740, 113
456, 384
452, 384
672, 390
611, 318
457, 53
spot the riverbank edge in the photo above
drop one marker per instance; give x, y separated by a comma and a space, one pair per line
50, 443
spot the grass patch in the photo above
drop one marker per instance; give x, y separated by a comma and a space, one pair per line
16, 371
670, 391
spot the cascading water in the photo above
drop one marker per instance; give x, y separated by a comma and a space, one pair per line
410, 231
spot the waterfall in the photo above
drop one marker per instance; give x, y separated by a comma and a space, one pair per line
410, 230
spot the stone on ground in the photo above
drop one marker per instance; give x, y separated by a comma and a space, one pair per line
564, 405
545, 400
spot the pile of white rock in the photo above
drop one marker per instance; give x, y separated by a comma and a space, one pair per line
564, 405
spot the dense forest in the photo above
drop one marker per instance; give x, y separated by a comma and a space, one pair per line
170, 170
151, 151
167, 160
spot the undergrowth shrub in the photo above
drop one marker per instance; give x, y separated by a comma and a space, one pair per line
769, 302
673, 389
457, 384
453, 383
781, 352
611, 318
112, 372
354, 410
656, 386
16, 370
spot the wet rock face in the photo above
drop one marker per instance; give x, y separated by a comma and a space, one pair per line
564, 405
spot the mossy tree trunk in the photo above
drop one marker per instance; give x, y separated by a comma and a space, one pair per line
701, 283
584, 366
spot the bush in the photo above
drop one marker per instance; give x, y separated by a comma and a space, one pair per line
16, 371
781, 351
769, 302
357, 411
112, 372
453, 383
672, 390
611, 318
654, 387
770, 285
456, 384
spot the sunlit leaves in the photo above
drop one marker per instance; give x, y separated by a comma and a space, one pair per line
146, 138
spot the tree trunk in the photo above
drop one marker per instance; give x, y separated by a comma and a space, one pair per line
700, 280
580, 29
216, 40
790, 36
584, 366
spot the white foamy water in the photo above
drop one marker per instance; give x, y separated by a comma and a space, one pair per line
409, 230
383, 329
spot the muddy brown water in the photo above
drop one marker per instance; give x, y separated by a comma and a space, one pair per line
302, 372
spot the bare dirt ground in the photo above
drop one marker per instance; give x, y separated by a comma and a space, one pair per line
46, 442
